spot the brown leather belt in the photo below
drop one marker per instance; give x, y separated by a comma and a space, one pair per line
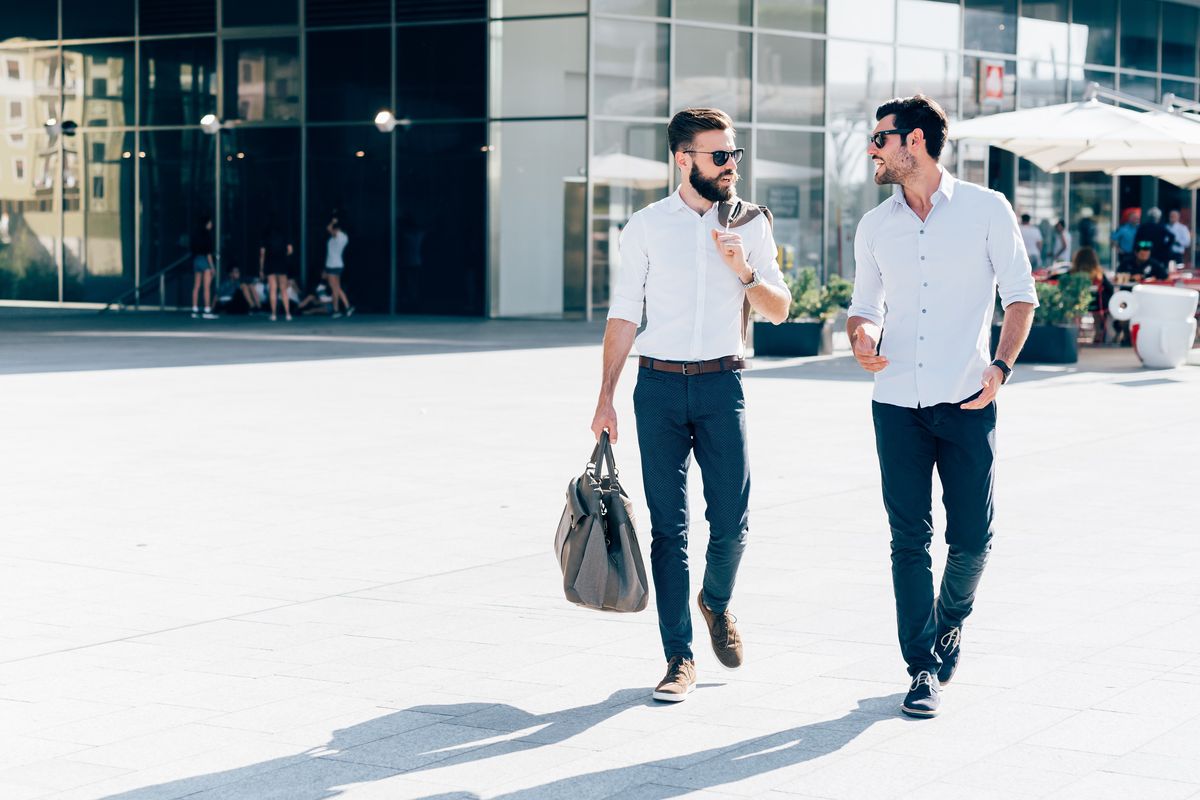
693, 367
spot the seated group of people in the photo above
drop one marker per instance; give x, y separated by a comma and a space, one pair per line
238, 296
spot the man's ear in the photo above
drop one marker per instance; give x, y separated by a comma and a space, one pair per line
681, 159
916, 137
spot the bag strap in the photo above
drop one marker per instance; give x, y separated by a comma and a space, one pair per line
601, 456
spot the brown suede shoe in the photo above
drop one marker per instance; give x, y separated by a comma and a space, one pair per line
726, 642
679, 681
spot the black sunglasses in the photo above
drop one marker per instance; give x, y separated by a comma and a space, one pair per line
881, 136
719, 157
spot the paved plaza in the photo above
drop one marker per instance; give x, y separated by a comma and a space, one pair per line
255, 561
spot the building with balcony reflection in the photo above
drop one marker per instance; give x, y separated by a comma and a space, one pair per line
533, 130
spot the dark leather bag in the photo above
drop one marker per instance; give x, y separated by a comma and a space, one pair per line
596, 543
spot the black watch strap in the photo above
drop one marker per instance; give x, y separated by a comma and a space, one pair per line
1005, 368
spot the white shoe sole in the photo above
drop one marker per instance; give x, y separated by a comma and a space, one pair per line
671, 697
916, 712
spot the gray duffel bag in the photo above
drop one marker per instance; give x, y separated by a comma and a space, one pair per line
596, 544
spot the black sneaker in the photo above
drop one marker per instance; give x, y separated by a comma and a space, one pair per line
948, 649
923, 697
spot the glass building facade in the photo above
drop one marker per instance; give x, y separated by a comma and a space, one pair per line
530, 130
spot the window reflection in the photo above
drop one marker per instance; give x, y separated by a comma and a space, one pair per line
989, 86
630, 68
649, 8
87, 19
791, 80
929, 23
1183, 90
98, 85
1141, 86
990, 25
1139, 35
31, 21
262, 80
179, 83
930, 72
712, 68
1042, 83
28, 222
630, 168
789, 179
429, 85
539, 67
792, 15
1095, 29
347, 74
1042, 32
98, 261
729, 12
1179, 26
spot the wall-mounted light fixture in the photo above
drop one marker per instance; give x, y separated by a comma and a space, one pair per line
386, 121
210, 124
66, 127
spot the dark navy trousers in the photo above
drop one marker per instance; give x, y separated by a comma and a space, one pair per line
961, 445
678, 415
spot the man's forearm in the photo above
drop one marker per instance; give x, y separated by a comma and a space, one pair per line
856, 322
618, 341
1018, 319
770, 301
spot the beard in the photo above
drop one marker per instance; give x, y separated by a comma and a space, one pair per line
711, 189
895, 172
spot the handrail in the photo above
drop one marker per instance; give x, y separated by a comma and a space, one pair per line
158, 277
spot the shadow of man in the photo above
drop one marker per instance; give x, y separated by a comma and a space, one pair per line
671, 777
407, 741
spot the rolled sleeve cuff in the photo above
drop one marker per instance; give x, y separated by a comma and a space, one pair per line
867, 313
1020, 296
627, 310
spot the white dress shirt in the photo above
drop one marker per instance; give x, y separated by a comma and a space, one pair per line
1183, 238
931, 287
693, 300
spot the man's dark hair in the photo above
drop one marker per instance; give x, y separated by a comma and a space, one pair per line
685, 125
1025, 218
921, 112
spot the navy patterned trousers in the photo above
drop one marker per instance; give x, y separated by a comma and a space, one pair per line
678, 415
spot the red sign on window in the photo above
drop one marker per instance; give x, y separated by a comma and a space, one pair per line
991, 82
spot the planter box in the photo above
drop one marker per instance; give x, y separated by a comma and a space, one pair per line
1047, 344
793, 338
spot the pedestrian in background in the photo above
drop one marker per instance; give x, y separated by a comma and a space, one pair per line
274, 256
1159, 236
203, 267
1062, 243
1032, 236
1183, 237
335, 264
1125, 236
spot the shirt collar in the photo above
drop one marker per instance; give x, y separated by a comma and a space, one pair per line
945, 188
675, 203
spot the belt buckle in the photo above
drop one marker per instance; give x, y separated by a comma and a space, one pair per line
694, 364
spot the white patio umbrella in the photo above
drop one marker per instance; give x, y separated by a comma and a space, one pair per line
1091, 136
626, 170
1183, 178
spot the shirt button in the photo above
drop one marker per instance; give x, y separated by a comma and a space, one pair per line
924, 284
922, 231
922, 258
922, 338
922, 311
919, 364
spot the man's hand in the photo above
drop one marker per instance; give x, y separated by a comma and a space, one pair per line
865, 346
605, 418
993, 379
729, 245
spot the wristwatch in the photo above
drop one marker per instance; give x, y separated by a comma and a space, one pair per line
755, 280
1005, 368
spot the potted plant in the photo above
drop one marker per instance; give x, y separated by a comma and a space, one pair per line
808, 330
1052, 339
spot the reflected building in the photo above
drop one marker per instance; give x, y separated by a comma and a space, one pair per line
530, 131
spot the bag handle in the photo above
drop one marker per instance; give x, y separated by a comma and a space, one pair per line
603, 451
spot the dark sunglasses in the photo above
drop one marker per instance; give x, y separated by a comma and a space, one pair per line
719, 157
881, 136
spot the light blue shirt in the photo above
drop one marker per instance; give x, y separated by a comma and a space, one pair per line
931, 286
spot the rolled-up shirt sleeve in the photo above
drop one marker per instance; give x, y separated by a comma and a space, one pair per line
868, 298
763, 255
629, 293
1006, 250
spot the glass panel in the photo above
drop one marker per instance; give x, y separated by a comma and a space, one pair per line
989, 86
522, 8
729, 12
344, 170
177, 193
539, 67
425, 11
260, 12
23, 20
929, 23
98, 261
790, 180
260, 189
176, 16
791, 80
860, 80
444, 167
179, 81
1040, 195
541, 166
930, 72
648, 8
631, 68
990, 25
262, 80
1092, 212
1042, 83
861, 19
28, 220
348, 75
712, 68
1042, 32
1095, 29
630, 170
1140, 86
792, 15
1181, 26
98, 87
1184, 90
441, 71
1139, 35
87, 19
1080, 78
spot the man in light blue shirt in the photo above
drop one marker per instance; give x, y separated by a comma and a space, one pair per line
929, 260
